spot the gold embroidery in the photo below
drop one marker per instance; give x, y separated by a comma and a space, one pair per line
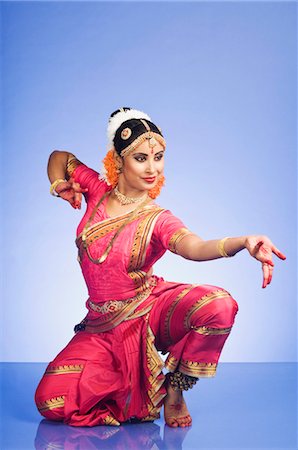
141, 240
155, 365
139, 279
153, 414
171, 363
110, 320
72, 164
197, 369
112, 306
109, 420
191, 368
176, 237
52, 403
203, 301
211, 331
101, 229
57, 370
141, 312
172, 309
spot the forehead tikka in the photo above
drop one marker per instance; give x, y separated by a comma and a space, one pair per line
151, 139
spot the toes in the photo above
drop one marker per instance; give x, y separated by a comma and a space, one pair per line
184, 421
173, 423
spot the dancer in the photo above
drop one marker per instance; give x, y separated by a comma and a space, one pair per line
110, 372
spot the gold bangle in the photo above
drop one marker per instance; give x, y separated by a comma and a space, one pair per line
54, 185
221, 247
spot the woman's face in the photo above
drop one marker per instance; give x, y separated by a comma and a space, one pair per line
142, 167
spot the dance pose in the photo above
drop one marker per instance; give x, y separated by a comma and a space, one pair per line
111, 372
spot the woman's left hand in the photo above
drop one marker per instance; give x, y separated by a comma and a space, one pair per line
261, 248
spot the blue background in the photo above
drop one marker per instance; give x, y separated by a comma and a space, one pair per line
220, 80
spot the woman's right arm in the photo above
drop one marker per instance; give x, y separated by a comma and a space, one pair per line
68, 189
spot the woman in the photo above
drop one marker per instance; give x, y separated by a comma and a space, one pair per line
111, 372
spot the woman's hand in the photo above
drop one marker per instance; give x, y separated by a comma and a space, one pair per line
261, 248
71, 192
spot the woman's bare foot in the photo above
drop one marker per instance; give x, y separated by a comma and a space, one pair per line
175, 409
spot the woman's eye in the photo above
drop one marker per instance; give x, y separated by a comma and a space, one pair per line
140, 158
143, 158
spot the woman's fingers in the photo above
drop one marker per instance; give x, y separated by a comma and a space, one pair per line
270, 274
262, 249
78, 199
78, 194
278, 252
67, 193
267, 274
71, 192
265, 269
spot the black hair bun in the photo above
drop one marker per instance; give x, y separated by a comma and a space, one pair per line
125, 108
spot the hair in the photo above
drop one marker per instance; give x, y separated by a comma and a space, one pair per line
112, 174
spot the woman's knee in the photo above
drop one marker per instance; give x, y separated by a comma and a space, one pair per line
225, 311
49, 404
220, 312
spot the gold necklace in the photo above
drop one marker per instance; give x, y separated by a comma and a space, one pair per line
125, 200
131, 216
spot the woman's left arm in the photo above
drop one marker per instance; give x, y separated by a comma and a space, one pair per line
259, 246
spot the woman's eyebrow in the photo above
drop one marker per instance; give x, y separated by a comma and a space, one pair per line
146, 154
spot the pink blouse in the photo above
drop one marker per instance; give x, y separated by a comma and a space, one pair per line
138, 246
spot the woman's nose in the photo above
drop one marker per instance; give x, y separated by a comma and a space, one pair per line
150, 166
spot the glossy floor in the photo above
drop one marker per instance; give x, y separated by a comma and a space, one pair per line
246, 406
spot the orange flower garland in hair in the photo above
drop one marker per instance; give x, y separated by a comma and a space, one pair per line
112, 175
109, 163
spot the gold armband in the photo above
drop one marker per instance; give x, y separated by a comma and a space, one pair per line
221, 247
54, 185
72, 164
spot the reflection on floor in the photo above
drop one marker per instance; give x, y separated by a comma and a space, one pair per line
246, 406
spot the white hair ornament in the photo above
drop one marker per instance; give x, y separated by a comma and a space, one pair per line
119, 118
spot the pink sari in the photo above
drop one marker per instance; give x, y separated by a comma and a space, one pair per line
111, 371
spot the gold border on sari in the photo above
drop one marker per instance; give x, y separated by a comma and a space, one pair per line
203, 301
58, 370
109, 420
211, 331
172, 308
155, 365
142, 238
197, 369
154, 414
171, 363
191, 368
52, 403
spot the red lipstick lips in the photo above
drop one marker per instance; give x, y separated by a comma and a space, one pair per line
149, 180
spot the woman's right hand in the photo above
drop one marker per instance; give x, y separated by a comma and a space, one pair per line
71, 192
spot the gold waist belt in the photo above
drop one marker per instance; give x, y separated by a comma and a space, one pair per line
113, 312
112, 306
